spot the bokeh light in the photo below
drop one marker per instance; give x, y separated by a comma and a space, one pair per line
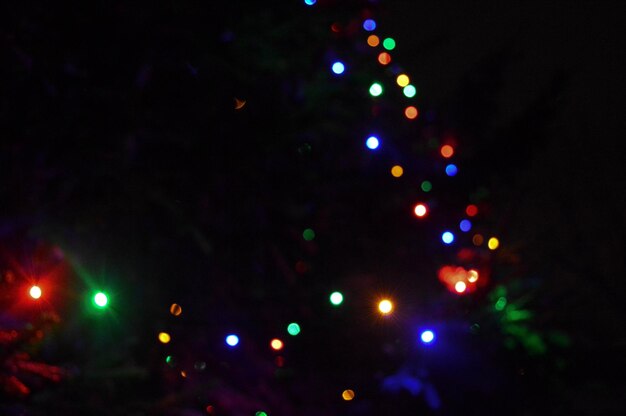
175, 309
293, 329
427, 336
277, 344
411, 112
384, 58
409, 91
397, 171
336, 298
100, 299
35, 292
338, 68
426, 186
260, 413
308, 234
447, 151
493, 243
460, 287
465, 225
389, 44
477, 239
471, 210
402, 80
473, 276
369, 25
372, 142
232, 340
447, 237
500, 303
310, 2
376, 89
451, 170
164, 337
385, 306
420, 210
373, 41
348, 395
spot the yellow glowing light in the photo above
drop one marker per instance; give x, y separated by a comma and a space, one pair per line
239, 104
447, 151
460, 287
411, 112
35, 292
493, 243
373, 41
385, 306
397, 171
403, 80
276, 344
477, 239
473, 276
175, 309
347, 395
384, 58
420, 210
164, 337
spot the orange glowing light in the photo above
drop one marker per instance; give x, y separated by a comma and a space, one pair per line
447, 151
277, 344
473, 276
183, 374
411, 112
385, 306
175, 309
373, 41
239, 104
471, 210
35, 292
477, 240
384, 58
348, 395
420, 210
460, 287
397, 171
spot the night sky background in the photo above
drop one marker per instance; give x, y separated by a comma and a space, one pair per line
125, 166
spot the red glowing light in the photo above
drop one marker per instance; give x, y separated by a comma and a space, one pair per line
471, 210
384, 58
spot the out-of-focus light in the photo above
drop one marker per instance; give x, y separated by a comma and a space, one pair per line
369, 25
232, 340
239, 104
348, 395
389, 44
373, 41
277, 344
384, 58
385, 306
447, 237
426, 186
500, 303
409, 91
310, 2
100, 299
210, 410
35, 292
164, 337
420, 210
465, 225
472, 276
397, 171
335, 27
169, 360
175, 309
338, 68
372, 142
336, 298
471, 210
477, 240
460, 287
411, 112
308, 234
260, 413
447, 151
493, 243
402, 80
183, 374
376, 89
293, 329
451, 170
427, 336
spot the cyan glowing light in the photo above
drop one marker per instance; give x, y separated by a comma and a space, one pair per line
310, 2
336, 298
100, 299
369, 25
372, 142
447, 237
232, 340
389, 44
293, 328
338, 68
465, 225
409, 91
451, 169
376, 89
427, 336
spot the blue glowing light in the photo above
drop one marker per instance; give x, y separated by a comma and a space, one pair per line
427, 336
451, 170
310, 2
372, 142
465, 225
447, 237
232, 340
369, 25
338, 68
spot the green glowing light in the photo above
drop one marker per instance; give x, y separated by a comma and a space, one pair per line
376, 89
427, 186
293, 329
308, 234
500, 303
389, 44
409, 91
336, 298
260, 413
100, 299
